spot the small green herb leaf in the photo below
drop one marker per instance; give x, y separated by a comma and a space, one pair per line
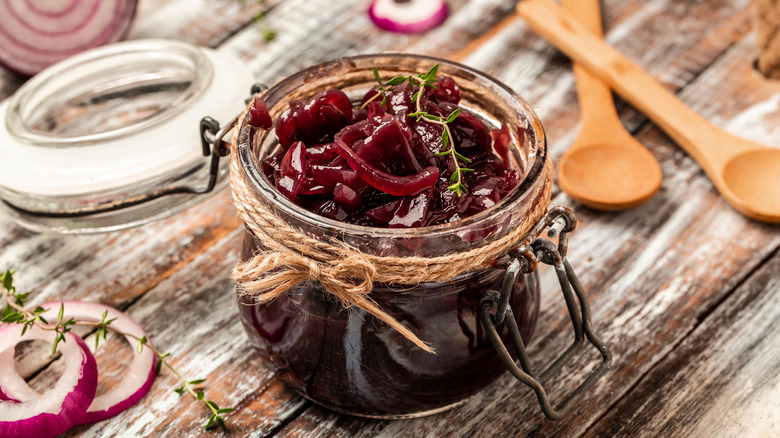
141, 343
453, 115
461, 157
12, 317
397, 80
431, 75
8, 280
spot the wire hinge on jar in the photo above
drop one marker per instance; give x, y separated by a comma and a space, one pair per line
532, 249
211, 139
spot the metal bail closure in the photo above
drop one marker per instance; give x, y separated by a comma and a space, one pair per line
532, 249
212, 138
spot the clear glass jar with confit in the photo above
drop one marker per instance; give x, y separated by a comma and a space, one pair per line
395, 349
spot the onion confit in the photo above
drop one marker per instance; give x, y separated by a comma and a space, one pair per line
380, 163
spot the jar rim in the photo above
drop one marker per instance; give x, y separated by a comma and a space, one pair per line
99, 64
255, 175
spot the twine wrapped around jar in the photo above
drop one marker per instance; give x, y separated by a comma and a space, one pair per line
766, 24
289, 257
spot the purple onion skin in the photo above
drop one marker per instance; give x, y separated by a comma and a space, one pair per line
74, 406
409, 28
95, 416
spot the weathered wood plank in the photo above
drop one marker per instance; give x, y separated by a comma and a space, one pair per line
200, 22
315, 31
733, 363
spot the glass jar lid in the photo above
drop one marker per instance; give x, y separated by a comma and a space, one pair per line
89, 143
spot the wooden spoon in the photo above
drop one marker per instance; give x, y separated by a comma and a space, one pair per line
605, 167
745, 172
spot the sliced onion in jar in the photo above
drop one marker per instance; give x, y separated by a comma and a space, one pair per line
58, 409
407, 16
37, 34
141, 372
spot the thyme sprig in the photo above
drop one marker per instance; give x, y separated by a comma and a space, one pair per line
14, 312
427, 80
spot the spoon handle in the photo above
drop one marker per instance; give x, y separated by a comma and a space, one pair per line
685, 126
597, 109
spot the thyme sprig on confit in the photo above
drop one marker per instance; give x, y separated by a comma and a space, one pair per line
427, 80
14, 312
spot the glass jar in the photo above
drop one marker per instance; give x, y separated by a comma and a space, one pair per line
346, 359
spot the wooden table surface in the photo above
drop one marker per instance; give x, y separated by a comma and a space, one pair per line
684, 289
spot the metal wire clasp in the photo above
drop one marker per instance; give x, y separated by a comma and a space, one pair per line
532, 249
212, 139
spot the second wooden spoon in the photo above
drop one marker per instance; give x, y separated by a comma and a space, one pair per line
605, 167
746, 173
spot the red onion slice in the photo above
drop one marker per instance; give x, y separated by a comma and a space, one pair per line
410, 16
35, 34
12, 386
57, 410
140, 374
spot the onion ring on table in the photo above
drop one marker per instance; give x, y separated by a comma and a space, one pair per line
58, 409
412, 16
141, 372
136, 384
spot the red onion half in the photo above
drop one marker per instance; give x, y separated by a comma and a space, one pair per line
409, 16
55, 411
35, 34
141, 372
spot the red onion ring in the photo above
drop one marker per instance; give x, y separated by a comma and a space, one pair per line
140, 373
136, 384
412, 16
55, 411
12, 386
36, 34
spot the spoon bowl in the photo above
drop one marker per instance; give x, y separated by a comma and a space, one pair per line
609, 176
605, 167
751, 182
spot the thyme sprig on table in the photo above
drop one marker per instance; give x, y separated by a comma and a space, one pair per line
14, 312
427, 80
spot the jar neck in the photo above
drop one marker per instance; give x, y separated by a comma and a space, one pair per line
480, 94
